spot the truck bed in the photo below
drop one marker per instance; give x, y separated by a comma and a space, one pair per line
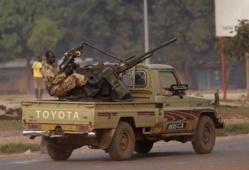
84, 117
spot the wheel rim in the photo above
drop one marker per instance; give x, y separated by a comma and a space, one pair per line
124, 141
206, 134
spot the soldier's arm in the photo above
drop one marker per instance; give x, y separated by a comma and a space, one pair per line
56, 79
52, 76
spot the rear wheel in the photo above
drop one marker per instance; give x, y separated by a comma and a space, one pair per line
205, 136
143, 146
58, 153
123, 142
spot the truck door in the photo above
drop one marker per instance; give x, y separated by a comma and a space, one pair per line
176, 109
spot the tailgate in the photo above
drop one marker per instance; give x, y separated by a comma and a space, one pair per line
49, 115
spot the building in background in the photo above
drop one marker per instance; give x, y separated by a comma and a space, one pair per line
16, 78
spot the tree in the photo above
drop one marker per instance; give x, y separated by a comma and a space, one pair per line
9, 35
238, 46
191, 22
44, 36
17, 19
114, 26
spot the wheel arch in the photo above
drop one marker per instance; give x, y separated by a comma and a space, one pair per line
129, 120
213, 115
109, 133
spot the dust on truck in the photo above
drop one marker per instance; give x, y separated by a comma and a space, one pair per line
160, 110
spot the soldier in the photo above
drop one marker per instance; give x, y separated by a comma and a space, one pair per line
166, 92
60, 84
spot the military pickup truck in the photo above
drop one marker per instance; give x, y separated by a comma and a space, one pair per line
160, 110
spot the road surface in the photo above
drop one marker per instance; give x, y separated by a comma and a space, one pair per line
230, 153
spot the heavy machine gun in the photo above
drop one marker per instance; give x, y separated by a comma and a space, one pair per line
110, 85
68, 60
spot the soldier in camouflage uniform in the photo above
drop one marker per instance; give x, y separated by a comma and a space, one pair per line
60, 84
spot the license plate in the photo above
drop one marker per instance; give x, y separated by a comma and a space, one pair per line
64, 127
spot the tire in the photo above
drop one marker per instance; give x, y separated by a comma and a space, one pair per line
143, 146
58, 154
123, 142
205, 136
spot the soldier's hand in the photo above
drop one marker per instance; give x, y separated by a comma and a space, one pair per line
76, 66
68, 71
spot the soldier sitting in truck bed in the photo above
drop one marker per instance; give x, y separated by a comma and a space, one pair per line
60, 84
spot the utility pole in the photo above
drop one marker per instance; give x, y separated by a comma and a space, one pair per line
223, 70
146, 30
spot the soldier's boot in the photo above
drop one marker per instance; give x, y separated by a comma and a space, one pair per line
43, 146
94, 81
90, 90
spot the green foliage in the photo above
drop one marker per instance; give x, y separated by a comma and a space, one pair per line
45, 35
234, 129
19, 147
17, 19
238, 45
29, 27
192, 23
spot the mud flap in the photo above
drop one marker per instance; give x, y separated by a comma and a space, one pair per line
106, 138
43, 145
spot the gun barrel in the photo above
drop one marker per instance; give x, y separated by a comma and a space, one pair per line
132, 61
155, 49
169, 42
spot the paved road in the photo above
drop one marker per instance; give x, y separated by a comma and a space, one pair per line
228, 154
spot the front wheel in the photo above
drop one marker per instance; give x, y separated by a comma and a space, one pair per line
205, 136
123, 142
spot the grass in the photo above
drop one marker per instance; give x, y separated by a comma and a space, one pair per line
233, 110
19, 147
234, 129
11, 99
6, 125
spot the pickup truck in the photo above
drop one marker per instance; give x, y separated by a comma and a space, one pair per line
160, 110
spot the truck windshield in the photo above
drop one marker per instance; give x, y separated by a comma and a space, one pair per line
167, 78
140, 79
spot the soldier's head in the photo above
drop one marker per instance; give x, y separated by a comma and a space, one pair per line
50, 57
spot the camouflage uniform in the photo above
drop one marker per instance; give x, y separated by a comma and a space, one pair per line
60, 84
166, 92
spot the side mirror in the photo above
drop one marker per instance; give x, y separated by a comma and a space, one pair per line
176, 87
179, 89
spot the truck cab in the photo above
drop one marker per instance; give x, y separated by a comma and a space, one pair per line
179, 112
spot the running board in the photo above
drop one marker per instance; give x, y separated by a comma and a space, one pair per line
177, 134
